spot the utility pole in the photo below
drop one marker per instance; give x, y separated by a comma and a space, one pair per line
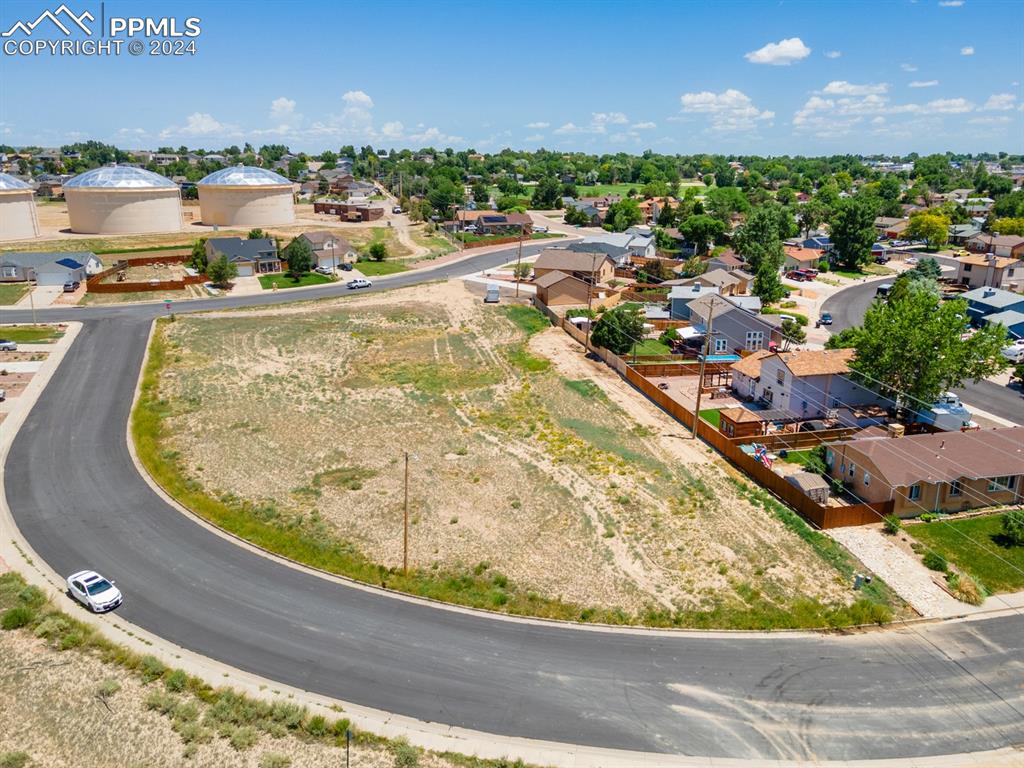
519, 259
590, 298
405, 535
703, 362
32, 301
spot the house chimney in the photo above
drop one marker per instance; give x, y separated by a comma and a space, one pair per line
895, 430
989, 291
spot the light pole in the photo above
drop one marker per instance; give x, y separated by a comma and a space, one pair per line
519, 259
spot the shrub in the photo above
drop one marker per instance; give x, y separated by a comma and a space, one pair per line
32, 596
244, 737
927, 517
108, 688
288, 714
823, 265
967, 590
176, 681
51, 627
316, 726
1013, 527
13, 759
193, 732
406, 755
151, 668
275, 760
935, 562
161, 701
17, 617
893, 524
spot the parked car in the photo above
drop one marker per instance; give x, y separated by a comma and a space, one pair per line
883, 289
324, 271
1015, 352
542, 230
3, 395
797, 274
359, 282
470, 228
825, 318
493, 295
784, 318
93, 591
71, 286
345, 267
911, 260
8, 346
397, 209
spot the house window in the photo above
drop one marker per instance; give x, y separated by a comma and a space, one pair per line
915, 492
967, 267
721, 345
1003, 483
867, 479
780, 377
829, 457
955, 488
842, 468
853, 469
755, 340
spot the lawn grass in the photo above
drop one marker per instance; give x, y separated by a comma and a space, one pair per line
376, 268
867, 270
711, 415
800, 319
651, 347
977, 547
529, 320
30, 334
283, 280
10, 293
469, 237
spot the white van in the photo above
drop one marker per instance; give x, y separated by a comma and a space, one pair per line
493, 294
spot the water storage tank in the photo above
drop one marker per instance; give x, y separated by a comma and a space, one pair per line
244, 196
119, 199
18, 220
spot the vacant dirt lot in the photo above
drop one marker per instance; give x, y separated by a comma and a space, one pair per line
70, 710
567, 484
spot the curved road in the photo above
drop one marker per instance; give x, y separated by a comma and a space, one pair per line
75, 494
848, 308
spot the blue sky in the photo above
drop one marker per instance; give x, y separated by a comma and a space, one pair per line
751, 77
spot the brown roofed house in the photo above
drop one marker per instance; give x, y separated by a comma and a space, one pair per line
583, 265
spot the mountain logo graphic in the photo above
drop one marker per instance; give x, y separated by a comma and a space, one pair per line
55, 16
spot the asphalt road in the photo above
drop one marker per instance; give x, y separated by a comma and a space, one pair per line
848, 308
76, 496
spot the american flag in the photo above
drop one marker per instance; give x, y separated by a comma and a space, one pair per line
761, 454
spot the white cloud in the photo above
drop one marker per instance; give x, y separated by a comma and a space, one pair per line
878, 120
201, 124
609, 118
358, 107
538, 125
991, 120
357, 99
392, 130
782, 53
833, 54
967, 50
129, 133
908, 67
567, 128
923, 84
534, 138
730, 110
599, 122
1000, 102
949, 106
434, 136
950, 3
647, 126
843, 88
282, 110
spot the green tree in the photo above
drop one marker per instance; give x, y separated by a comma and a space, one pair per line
845, 339
812, 215
481, 194
1008, 226
622, 215
618, 328
299, 256
723, 202
916, 344
793, 332
198, 257
852, 230
256, 234
547, 195
221, 271
702, 230
694, 266
926, 269
930, 226
522, 270
767, 283
378, 251
1013, 527
759, 242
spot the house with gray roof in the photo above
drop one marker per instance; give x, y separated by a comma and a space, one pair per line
982, 302
252, 257
46, 267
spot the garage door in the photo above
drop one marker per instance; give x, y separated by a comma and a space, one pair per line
245, 270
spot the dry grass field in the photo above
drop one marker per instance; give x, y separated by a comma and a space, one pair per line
527, 471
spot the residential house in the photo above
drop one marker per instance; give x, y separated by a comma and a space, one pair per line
727, 260
980, 270
1011, 319
638, 243
890, 227
959, 234
593, 213
728, 283
978, 206
679, 242
252, 257
800, 257
164, 159
51, 189
1007, 246
590, 267
45, 268
619, 254
984, 302
557, 288
349, 210
733, 327
329, 249
818, 242
681, 296
940, 472
504, 224
810, 384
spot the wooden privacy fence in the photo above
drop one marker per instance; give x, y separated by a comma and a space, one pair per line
797, 441
805, 506
95, 283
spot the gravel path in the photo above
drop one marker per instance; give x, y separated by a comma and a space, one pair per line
900, 570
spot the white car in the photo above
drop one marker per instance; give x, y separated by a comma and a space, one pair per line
912, 260
359, 282
93, 591
8, 346
1015, 352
